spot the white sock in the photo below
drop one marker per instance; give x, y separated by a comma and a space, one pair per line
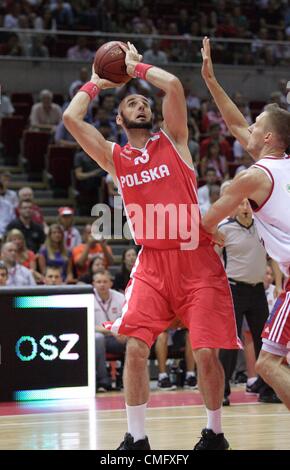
190, 373
136, 421
162, 375
251, 380
214, 420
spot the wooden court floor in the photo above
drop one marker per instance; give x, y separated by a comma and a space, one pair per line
174, 421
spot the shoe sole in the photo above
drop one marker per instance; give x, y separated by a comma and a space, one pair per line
167, 389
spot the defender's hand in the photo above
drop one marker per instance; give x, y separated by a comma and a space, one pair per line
207, 68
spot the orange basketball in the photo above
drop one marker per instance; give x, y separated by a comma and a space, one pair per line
110, 64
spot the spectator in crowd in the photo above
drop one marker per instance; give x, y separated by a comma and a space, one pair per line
8, 194
12, 46
270, 288
216, 136
214, 159
214, 194
178, 338
203, 191
80, 51
3, 274
96, 264
54, 253
37, 48
64, 138
129, 257
88, 175
108, 307
154, 55
6, 107
53, 276
11, 19
62, 13
33, 233
18, 275
83, 253
77, 84
45, 115
72, 236
6, 212
26, 194
211, 115
245, 162
24, 257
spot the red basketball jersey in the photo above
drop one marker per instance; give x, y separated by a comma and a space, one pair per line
160, 195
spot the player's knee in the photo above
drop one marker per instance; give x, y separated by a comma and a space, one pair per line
137, 351
205, 359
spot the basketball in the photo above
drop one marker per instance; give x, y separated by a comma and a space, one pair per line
110, 64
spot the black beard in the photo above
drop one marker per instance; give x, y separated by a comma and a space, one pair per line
136, 125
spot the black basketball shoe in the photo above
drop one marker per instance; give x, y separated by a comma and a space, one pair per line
129, 444
211, 441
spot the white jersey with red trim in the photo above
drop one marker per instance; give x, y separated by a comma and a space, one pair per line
272, 218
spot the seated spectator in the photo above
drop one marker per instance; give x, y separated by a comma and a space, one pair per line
88, 176
54, 253
96, 264
33, 232
154, 55
18, 275
214, 194
6, 107
108, 307
8, 194
11, 19
216, 136
62, 13
53, 276
179, 339
129, 257
63, 137
26, 194
216, 160
203, 191
45, 115
12, 47
80, 51
77, 84
72, 236
83, 253
37, 47
3, 274
24, 257
6, 212
246, 161
213, 116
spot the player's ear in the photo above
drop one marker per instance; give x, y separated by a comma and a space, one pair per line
119, 120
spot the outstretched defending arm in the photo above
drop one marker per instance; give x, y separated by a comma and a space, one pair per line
174, 104
235, 121
89, 138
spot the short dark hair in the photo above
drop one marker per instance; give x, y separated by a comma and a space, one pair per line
279, 122
3, 267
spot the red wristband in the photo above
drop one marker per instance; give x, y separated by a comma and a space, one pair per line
91, 89
141, 70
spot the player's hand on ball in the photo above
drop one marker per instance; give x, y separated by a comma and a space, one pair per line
102, 83
207, 68
132, 58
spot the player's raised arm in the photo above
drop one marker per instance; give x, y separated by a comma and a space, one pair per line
89, 138
174, 105
235, 121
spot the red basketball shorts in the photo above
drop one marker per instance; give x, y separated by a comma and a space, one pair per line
277, 326
189, 285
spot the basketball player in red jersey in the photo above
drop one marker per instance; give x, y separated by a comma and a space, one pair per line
267, 186
175, 275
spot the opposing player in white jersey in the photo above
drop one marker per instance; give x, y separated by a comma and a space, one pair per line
267, 186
